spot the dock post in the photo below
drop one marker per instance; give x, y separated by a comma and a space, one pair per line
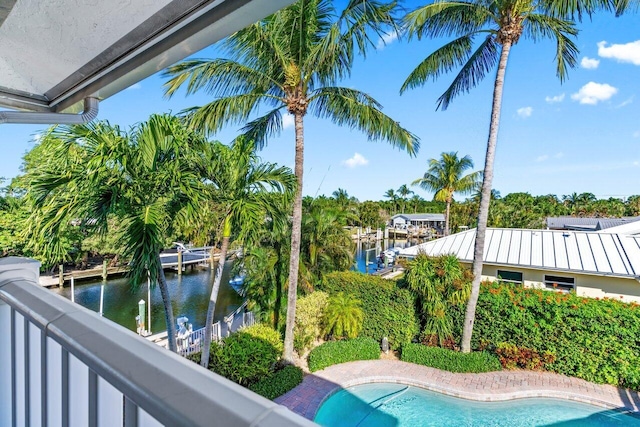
73, 290
179, 262
211, 262
104, 269
61, 275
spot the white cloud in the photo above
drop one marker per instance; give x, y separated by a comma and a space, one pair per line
357, 160
636, 134
629, 52
554, 99
589, 63
37, 137
592, 93
625, 103
559, 155
542, 158
387, 39
287, 121
134, 86
525, 112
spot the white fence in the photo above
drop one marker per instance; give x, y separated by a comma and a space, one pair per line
63, 365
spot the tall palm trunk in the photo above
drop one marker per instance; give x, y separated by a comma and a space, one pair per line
485, 198
206, 343
168, 309
278, 281
294, 257
446, 217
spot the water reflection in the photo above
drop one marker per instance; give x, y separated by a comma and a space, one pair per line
189, 296
368, 252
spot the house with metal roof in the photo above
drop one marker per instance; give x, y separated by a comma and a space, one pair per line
587, 224
421, 220
591, 264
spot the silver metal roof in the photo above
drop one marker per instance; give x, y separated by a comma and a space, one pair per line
55, 53
586, 224
420, 217
611, 254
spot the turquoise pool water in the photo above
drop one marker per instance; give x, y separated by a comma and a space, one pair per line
399, 405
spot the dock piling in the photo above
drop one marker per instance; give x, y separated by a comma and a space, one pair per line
179, 263
73, 290
104, 269
61, 275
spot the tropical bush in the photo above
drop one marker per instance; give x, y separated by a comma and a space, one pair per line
511, 357
343, 317
388, 310
245, 356
309, 319
590, 338
450, 360
439, 283
334, 352
279, 383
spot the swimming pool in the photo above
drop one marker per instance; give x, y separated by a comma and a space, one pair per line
385, 404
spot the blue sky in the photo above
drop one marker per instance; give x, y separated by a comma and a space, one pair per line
580, 136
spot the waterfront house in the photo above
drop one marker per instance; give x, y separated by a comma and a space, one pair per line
603, 264
418, 220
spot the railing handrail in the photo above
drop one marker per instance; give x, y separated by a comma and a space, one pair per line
168, 387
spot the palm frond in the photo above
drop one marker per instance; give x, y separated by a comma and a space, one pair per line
263, 128
447, 18
358, 110
473, 71
443, 60
544, 26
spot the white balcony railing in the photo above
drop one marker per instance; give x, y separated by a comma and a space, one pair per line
63, 365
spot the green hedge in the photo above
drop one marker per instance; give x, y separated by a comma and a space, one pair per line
334, 352
389, 311
597, 340
450, 360
279, 383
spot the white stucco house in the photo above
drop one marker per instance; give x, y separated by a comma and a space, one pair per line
421, 220
594, 264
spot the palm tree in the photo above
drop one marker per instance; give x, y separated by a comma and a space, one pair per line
342, 197
500, 24
403, 192
242, 189
393, 198
343, 316
144, 178
292, 61
444, 177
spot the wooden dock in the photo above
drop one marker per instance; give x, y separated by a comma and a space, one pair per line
171, 260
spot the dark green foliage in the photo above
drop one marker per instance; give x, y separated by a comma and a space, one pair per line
389, 311
450, 360
243, 358
597, 340
334, 352
279, 383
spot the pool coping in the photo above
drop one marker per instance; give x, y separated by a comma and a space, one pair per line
315, 388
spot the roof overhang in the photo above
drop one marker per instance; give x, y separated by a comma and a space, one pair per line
56, 53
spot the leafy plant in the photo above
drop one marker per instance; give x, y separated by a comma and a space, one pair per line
343, 317
511, 357
309, 319
388, 310
334, 352
279, 383
450, 360
440, 283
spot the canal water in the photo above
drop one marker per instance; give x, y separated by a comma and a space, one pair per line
189, 295
190, 291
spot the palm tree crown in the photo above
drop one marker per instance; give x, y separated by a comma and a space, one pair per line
292, 61
445, 177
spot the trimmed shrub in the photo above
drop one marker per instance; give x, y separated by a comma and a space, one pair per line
309, 316
596, 340
450, 360
279, 383
389, 311
267, 333
334, 352
243, 357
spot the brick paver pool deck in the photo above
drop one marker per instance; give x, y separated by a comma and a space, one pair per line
492, 386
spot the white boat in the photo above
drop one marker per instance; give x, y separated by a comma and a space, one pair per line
237, 282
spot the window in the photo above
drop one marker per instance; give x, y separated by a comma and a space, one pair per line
559, 283
505, 276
